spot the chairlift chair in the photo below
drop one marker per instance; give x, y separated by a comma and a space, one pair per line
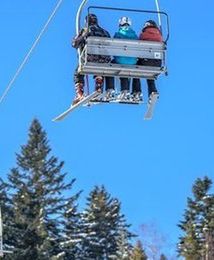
124, 47
120, 47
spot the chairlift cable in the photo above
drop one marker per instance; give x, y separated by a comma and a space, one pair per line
27, 56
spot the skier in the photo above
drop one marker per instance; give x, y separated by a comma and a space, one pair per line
126, 32
150, 32
91, 29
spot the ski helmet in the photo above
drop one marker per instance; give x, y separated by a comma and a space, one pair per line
150, 23
125, 21
91, 19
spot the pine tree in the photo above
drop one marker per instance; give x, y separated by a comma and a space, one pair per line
103, 224
7, 216
123, 242
198, 217
72, 230
138, 252
38, 201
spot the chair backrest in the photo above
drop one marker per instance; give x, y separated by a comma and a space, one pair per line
126, 48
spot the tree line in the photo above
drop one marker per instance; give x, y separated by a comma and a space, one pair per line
41, 222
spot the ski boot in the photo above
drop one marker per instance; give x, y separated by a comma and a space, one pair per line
99, 84
79, 93
109, 94
124, 95
137, 97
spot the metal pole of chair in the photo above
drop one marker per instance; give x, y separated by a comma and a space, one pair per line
78, 20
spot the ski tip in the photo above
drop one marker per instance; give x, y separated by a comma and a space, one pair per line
55, 120
147, 118
60, 117
73, 107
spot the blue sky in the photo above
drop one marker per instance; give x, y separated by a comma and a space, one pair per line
149, 165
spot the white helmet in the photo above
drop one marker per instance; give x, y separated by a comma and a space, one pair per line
125, 21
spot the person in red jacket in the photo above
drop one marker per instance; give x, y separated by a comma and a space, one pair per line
150, 32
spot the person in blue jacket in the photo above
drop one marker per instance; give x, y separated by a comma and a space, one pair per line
126, 32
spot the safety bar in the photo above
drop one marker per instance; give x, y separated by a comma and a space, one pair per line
136, 11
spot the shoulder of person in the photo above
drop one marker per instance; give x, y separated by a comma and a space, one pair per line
115, 35
103, 29
134, 31
106, 32
118, 34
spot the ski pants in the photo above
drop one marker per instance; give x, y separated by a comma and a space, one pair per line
125, 83
150, 82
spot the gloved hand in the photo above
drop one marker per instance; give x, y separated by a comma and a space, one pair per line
80, 39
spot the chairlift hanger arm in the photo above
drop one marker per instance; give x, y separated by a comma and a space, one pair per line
78, 16
78, 20
136, 11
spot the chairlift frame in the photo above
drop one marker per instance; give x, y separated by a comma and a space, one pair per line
134, 11
123, 47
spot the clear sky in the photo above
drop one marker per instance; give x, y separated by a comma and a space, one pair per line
149, 165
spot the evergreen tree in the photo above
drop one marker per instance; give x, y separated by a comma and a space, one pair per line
123, 243
198, 218
38, 201
138, 252
72, 231
102, 225
7, 216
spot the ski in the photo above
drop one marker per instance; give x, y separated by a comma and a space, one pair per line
83, 101
129, 102
125, 102
114, 100
151, 106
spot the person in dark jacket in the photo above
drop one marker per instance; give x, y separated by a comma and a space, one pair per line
79, 41
125, 32
150, 32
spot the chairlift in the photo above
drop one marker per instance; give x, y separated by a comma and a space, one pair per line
124, 47
120, 47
